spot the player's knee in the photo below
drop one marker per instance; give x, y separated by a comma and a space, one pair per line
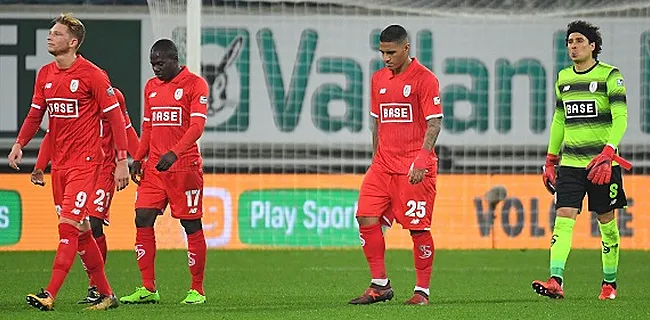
567, 212
367, 221
145, 218
97, 226
605, 217
416, 233
191, 226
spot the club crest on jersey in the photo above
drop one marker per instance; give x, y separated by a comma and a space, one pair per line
395, 112
178, 94
407, 90
74, 85
593, 86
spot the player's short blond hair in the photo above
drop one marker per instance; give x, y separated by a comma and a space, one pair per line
75, 26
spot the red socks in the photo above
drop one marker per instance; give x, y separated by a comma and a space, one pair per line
103, 248
93, 262
374, 247
196, 254
145, 248
423, 252
65, 254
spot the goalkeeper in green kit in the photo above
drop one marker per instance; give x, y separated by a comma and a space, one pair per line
590, 120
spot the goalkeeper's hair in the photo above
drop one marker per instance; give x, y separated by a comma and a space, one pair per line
588, 30
166, 47
75, 27
394, 33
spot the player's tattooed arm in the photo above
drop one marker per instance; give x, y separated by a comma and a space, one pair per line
375, 136
431, 135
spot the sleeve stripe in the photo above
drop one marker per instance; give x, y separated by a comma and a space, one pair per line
374, 115
431, 116
146, 119
112, 107
617, 98
128, 126
35, 106
196, 114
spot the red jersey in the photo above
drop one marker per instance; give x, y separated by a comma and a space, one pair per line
75, 99
169, 110
105, 131
402, 105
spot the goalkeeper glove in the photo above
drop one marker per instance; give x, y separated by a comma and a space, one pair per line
548, 172
600, 168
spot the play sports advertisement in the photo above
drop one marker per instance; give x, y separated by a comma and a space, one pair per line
317, 211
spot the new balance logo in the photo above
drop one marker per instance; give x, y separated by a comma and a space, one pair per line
64, 241
153, 94
48, 85
611, 203
382, 90
415, 221
566, 88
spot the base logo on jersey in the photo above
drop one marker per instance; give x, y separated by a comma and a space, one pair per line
166, 116
407, 90
178, 94
593, 86
74, 85
395, 112
62, 108
225, 66
580, 109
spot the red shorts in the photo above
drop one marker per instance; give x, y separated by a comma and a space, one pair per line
72, 189
392, 197
182, 190
100, 205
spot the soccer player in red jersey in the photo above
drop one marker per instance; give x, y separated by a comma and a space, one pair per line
76, 94
99, 206
401, 182
175, 106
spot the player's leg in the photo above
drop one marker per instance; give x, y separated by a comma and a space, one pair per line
98, 210
196, 258
150, 202
374, 202
604, 200
186, 202
413, 209
569, 192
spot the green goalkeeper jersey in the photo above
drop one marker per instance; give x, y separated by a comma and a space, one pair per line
590, 112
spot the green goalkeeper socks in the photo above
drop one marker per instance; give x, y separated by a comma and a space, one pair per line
611, 238
561, 245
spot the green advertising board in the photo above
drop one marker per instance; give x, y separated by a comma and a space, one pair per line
299, 217
11, 215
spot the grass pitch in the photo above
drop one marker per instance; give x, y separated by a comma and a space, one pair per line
317, 284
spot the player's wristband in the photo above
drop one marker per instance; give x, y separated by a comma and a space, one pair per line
422, 159
121, 155
424, 153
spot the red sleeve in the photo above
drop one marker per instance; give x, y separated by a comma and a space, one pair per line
36, 112
131, 135
429, 97
143, 147
374, 105
104, 94
44, 153
198, 116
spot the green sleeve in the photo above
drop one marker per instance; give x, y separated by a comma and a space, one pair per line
557, 126
618, 107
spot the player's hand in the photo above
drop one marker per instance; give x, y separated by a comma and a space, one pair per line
38, 177
600, 167
549, 176
15, 156
122, 174
166, 161
419, 167
136, 172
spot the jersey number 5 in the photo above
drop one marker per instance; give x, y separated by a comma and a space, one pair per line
416, 209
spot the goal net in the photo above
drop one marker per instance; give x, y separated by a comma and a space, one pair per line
287, 139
